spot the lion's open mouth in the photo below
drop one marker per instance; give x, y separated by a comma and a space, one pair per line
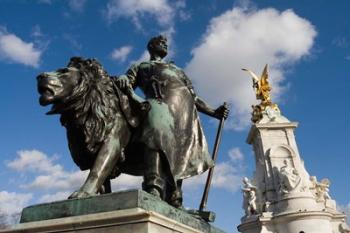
47, 94
45, 91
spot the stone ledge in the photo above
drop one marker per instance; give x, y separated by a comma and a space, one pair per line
127, 207
136, 219
256, 127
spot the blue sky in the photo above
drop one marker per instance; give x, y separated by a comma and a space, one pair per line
306, 43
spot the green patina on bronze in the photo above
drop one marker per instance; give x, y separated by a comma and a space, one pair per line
110, 130
113, 202
160, 116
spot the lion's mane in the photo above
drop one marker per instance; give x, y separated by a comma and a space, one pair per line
93, 105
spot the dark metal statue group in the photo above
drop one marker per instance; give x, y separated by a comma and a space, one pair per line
111, 130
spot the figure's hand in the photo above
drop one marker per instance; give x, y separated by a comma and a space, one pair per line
123, 82
222, 112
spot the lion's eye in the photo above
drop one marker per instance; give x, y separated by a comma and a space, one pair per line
63, 70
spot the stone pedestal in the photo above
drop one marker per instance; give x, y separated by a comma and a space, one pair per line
284, 197
129, 211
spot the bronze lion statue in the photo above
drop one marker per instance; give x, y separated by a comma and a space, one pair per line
98, 117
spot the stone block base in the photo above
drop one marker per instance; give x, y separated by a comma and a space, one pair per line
129, 211
122, 221
294, 222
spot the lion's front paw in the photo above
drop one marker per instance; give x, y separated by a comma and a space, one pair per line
79, 194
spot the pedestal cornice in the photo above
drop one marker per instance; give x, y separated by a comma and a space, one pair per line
255, 127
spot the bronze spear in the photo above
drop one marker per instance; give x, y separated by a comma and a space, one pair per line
211, 170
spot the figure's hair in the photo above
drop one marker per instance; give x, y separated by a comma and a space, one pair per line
154, 40
93, 101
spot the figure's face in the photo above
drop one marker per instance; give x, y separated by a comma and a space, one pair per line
245, 180
160, 48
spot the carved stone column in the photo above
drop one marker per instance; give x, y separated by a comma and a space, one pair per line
288, 201
280, 174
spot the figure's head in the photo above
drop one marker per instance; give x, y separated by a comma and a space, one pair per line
245, 180
313, 178
157, 46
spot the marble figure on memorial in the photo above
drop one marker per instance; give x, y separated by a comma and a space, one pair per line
289, 178
249, 197
321, 189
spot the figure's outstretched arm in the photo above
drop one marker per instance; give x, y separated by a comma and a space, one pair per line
129, 79
202, 106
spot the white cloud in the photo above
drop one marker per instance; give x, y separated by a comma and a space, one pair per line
169, 34
67, 184
247, 38
34, 160
235, 154
121, 53
54, 197
182, 13
143, 57
45, 1
163, 12
36, 31
126, 182
138, 9
58, 181
340, 42
72, 40
52, 182
13, 203
226, 176
14, 49
180, 4
40, 39
76, 5
50, 176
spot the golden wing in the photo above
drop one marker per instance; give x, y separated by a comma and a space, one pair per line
253, 75
264, 77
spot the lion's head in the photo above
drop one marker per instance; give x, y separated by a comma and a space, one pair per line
57, 86
84, 95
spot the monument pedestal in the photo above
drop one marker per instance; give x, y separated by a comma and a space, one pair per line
128, 211
121, 221
284, 197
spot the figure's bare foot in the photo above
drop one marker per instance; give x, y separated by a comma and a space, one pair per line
80, 194
155, 192
176, 199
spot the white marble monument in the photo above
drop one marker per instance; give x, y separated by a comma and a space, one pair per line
282, 197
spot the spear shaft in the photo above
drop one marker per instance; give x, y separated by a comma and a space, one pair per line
211, 170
